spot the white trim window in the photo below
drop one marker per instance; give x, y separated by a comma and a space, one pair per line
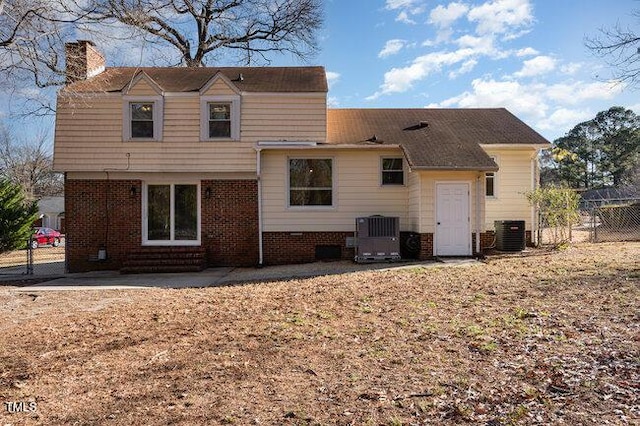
490, 182
142, 118
310, 182
219, 118
392, 171
171, 214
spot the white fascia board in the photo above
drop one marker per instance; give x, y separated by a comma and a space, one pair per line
286, 145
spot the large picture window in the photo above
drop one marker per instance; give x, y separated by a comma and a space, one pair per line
172, 214
310, 182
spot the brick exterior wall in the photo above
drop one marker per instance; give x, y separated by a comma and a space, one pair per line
426, 246
104, 214
101, 214
230, 222
300, 247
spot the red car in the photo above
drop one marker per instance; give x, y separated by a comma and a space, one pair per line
45, 236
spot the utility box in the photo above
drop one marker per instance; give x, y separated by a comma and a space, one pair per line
377, 239
510, 235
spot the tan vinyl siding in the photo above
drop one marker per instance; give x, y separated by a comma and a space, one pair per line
513, 181
414, 200
357, 192
295, 118
142, 88
220, 87
427, 192
89, 133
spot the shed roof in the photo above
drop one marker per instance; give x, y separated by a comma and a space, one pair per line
446, 139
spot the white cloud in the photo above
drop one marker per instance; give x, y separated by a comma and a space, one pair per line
536, 66
391, 47
517, 98
571, 68
402, 79
333, 102
332, 78
399, 4
501, 16
407, 9
546, 107
527, 51
574, 93
466, 67
564, 118
445, 16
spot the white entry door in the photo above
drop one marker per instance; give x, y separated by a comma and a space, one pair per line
453, 235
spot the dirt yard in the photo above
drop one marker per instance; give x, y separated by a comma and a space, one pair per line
545, 339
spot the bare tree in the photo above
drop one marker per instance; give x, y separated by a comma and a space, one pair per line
196, 28
198, 32
29, 165
621, 49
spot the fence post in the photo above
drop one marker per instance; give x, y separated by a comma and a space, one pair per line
30, 256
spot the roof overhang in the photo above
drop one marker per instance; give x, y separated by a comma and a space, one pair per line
288, 145
513, 146
454, 169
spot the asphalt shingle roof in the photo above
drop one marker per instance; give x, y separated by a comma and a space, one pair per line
447, 139
175, 79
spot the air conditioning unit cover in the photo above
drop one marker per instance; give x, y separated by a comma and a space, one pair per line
377, 239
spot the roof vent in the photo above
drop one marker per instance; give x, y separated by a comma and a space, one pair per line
421, 125
239, 78
374, 139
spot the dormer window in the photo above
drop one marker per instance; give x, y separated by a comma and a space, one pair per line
142, 118
219, 118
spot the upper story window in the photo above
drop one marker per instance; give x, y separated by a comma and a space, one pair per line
310, 182
220, 118
142, 118
392, 171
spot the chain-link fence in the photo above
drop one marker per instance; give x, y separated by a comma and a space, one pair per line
36, 259
601, 221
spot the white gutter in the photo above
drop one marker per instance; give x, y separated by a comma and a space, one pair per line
259, 178
478, 215
268, 145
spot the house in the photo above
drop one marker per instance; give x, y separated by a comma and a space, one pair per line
51, 213
248, 166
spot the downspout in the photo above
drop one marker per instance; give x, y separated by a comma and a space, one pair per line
478, 215
259, 178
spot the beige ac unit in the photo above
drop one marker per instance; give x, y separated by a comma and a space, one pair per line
377, 239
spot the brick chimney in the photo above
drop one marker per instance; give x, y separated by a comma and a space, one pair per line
83, 60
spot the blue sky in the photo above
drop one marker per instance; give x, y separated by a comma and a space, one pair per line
526, 55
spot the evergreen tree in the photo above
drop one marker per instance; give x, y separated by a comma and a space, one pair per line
16, 217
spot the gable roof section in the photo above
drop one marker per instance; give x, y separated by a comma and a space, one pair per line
433, 139
246, 79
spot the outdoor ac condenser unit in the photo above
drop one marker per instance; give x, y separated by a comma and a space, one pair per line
377, 239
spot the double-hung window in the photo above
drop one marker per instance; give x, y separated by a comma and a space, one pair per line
172, 214
310, 182
490, 182
392, 171
142, 118
220, 118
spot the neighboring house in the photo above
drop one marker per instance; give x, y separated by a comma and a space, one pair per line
247, 166
51, 213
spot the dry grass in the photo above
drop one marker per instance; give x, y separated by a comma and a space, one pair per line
549, 339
